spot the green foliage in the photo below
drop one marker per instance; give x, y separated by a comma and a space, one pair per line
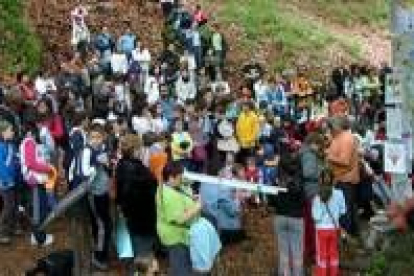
19, 46
397, 259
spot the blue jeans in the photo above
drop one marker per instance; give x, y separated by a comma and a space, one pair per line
289, 232
40, 204
197, 51
179, 261
269, 175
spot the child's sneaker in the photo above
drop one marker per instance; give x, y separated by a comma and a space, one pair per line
48, 240
99, 265
5, 240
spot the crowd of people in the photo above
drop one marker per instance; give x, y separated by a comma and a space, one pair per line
132, 121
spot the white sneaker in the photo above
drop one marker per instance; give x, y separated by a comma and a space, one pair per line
48, 241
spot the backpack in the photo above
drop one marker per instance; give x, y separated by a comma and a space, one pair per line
76, 147
30, 177
291, 167
103, 42
134, 71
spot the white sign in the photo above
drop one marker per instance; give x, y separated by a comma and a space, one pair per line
395, 157
394, 123
393, 89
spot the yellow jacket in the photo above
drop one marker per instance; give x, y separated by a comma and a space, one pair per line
247, 129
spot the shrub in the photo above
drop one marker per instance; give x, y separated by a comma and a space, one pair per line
19, 46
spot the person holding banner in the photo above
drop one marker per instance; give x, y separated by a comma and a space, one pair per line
176, 209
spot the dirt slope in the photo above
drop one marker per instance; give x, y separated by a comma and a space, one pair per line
51, 19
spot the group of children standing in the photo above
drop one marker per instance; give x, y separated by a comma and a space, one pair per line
116, 116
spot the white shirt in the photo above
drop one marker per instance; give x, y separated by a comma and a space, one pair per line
42, 86
326, 216
159, 125
119, 63
141, 125
152, 90
225, 84
260, 89
144, 59
190, 60
185, 90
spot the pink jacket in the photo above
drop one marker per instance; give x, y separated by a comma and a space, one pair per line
32, 157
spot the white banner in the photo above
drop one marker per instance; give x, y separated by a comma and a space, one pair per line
233, 183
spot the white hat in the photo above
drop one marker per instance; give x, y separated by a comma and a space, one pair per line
225, 129
99, 121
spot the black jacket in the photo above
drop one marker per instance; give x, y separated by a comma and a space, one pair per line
136, 190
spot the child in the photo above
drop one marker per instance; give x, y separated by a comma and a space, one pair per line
36, 171
253, 174
229, 211
94, 162
267, 161
8, 170
327, 207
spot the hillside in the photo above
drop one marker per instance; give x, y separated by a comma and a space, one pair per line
279, 32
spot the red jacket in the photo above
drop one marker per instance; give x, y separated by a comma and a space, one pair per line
252, 174
55, 125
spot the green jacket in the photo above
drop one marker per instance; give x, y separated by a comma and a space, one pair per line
171, 206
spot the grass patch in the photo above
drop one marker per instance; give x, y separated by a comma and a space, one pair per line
373, 13
269, 20
19, 46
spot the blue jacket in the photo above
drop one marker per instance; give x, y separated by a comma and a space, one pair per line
219, 203
8, 165
126, 43
167, 106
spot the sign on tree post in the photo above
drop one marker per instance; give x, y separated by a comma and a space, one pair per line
399, 94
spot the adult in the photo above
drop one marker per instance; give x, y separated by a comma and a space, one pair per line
136, 189
312, 163
176, 209
288, 219
342, 155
